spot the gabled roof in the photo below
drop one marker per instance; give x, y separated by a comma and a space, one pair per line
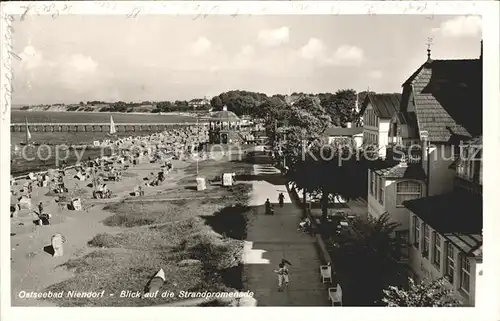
291, 99
400, 171
409, 119
384, 105
198, 100
448, 98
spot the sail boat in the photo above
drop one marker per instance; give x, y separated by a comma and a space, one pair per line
28, 135
112, 128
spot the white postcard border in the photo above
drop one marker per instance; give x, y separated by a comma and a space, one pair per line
129, 9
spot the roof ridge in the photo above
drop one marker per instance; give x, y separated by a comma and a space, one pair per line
466, 59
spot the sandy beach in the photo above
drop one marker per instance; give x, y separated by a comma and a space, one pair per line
32, 268
35, 270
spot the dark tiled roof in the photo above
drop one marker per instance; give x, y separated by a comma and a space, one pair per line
409, 171
384, 105
454, 212
458, 216
478, 141
410, 120
290, 100
448, 98
339, 131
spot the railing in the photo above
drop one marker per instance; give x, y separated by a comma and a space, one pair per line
468, 185
104, 124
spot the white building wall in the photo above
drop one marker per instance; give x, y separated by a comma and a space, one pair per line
480, 296
441, 176
424, 268
398, 214
383, 136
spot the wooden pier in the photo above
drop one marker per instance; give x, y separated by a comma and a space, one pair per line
99, 127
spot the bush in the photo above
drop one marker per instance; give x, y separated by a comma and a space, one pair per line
104, 240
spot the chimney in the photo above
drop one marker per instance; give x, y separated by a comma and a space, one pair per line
348, 124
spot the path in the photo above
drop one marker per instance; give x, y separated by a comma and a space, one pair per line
273, 237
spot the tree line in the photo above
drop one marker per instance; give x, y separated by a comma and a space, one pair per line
339, 106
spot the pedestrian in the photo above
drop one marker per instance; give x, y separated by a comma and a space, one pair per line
40, 208
281, 199
282, 272
269, 207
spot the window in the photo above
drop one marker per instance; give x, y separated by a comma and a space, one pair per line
407, 190
372, 183
464, 273
416, 232
395, 129
436, 249
450, 262
425, 247
381, 190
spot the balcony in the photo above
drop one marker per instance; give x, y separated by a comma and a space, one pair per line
464, 183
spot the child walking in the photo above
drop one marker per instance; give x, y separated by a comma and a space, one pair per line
282, 276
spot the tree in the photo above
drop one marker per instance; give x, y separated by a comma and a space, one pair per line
367, 255
340, 106
423, 294
216, 102
181, 103
330, 169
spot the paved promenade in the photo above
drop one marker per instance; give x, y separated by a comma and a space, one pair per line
273, 237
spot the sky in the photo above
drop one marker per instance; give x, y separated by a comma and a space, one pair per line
77, 58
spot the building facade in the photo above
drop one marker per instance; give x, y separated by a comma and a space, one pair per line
352, 134
446, 230
441, 106
377, 111
198, 102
